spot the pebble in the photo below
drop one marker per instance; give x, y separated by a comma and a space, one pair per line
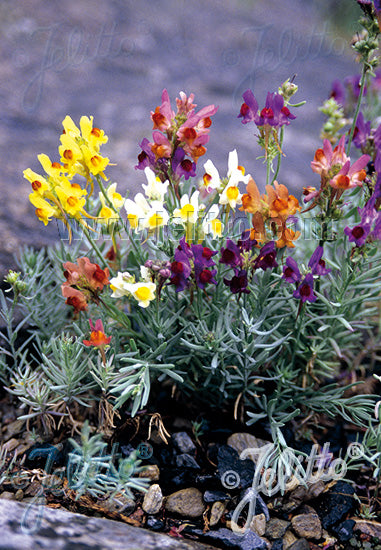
151, 472
276, 528
344, 530
187, 461
19, 495
243, 441
183, 442
226, 538
301, 544
216, 513
277, 545
258, 524
214, 496
367, 527
153, 500
187, 503
7, 495
307, 526
334, 505
289, 539
154, 523
120, 504
229, 461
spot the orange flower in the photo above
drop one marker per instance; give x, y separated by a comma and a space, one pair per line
74, 298
281, 204
98, 338
287, 238
253, 201
85, 281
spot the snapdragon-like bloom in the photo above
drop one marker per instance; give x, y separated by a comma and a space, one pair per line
238, 283
305, 291
357, 234
291, 272
231, 254
84, 282
338, 92
362, 132
98, 337
121, 284
317, 264
274, 113
155, 189
267, 257
188, 213
183, 166
230, 192
143, 292
369, 216
211, 223
192, 262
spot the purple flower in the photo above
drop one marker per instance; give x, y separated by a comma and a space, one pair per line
238, 283
275, 113
362, 132
249, 109
291, 272
357, 234
146, 157
305, 290
338, 92
231, 254
204, 277
353, 83
180, 270
202, 259
317, 264
183, 166
377, 144
267, 257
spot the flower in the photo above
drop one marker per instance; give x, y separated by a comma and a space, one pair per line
305, 291
146, 157
183, 166
231, 254
97, 337
351, 176
143, 292
121, 284
338, 92
249, 109
141, 214
155, 190
291, 272
274, 114
362, 132
267, 257
188, 213
357, 234
211, 223
75, 298
211, 180
86, 275
317, 264
238, 283
236, 174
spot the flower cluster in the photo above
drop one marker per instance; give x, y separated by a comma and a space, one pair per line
191, 266
84, 283
124, 284
370, 226
179, 138
55, 195
270, 213
305, 285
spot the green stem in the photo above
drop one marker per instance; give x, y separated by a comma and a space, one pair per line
279, 155
94, 246
362, 86
103, 190
268, 168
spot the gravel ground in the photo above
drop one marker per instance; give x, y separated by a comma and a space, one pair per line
112, 59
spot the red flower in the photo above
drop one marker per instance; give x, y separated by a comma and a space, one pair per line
84, 282
74, 298
98, 338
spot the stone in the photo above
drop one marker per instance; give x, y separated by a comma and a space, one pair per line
277, 545
7, 495
335, 504
216, 513
258, 524
276, 528
344, 530
186, 503
301, 544
187, 461
151, 472
242, 441
289, 539
367, 527
214, 496
183, 442
154, 523
120, 504
63, 530
307, 526
19, 495
153, 500
226, 538
233, 471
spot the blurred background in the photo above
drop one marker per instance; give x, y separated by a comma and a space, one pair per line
112, 59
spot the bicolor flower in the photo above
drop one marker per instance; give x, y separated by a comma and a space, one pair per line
317, 264
98, 337
121, 284
211, 223
143, 292
188, 213
305, 291
155, 189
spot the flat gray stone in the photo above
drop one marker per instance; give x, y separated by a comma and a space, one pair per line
63, 530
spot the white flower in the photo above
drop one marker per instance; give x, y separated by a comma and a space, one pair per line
156, 217
143, 292
114, 197
121, 284
211, 223
145, 273
137, 210
236, 174
211, 178
155, 190
188, 213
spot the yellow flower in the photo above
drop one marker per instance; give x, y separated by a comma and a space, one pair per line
114, 197
70, 152
188, 213
94, 163
44, 210
211, 223
53, 169
39, 184
70, 196
144, 293
94, 136
70, 128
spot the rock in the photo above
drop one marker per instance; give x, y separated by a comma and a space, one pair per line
233, 471
7, 495
120, 504
335, 504
301, 544
276, 528
154, 523
187, 503
344, 530
19, 495
316, 489
153, 500
216, 513
258, 524
151, 472
214, 496
228, 539
367, 527
307, 526
187, 461
277, 545
63, 530
260, 506
183, 442
289, 539
242, 441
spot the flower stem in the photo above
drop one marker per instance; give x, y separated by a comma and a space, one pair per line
94, 246
359, 99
